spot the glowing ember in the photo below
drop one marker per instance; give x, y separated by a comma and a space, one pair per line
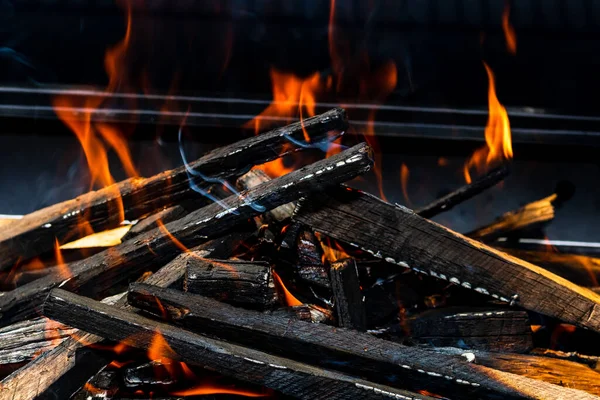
290, 300
497, 135
509, 31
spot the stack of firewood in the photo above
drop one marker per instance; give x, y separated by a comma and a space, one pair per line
298, 285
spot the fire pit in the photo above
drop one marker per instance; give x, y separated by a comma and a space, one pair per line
372, 229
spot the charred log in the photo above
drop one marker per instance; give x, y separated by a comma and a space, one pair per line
241, 283
157, 247
488, 329
256, 177
37, 232
356, 353
286, 376
399, 236
36, 377
347, 296
464, 193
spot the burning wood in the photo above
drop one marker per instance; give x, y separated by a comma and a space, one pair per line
559, 372
35, 377
289, 377
347, 296
353, 352
529, 217
399, 236
101, 271
37, 232
242, 283
256, 177
491, 328
464, 193
582, 270
309, 355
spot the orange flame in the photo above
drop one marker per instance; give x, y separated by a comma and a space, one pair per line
277, 167
210, 389
97, 138
509, 31
160, 351
63, 269
290, 300
291, 95
404, 175
332, 249
497, 135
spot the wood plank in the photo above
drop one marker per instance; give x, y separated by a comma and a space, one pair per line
551, 370
36, 377
464, 193
242, 283
27, 339
479, 328
347, 296
581, 270
155, 248
37, 232
531, 216
399, 236
349, 351
283, 375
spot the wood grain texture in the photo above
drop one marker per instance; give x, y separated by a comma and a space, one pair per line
531, 216
283, 375
581, 270
155, 248
243, 283
347, 296
564, 373
349, 351
27, 339
399, 236
35, 377
480, 328
463, 193
36, 233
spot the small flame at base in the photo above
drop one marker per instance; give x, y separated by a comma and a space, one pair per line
290, 300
